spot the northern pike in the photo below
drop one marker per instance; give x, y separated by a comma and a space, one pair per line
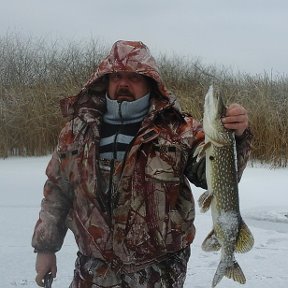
230, 233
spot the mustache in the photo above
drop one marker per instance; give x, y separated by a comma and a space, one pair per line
124, 92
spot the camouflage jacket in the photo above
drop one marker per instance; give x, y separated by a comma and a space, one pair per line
148, 209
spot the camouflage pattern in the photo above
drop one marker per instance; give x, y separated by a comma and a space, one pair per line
135, 214
168, 273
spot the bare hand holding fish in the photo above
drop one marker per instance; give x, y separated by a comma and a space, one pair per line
236, 119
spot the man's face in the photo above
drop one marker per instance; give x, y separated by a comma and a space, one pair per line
127, 86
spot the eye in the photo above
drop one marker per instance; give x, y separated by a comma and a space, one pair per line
114, 77
134, 77
211, 158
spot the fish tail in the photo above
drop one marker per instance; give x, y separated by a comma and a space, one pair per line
232, 272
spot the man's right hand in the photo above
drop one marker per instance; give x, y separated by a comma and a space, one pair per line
45, 263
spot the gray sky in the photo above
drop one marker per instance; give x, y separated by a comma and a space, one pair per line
246, 35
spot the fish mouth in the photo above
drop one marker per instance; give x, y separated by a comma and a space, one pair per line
214, 110
214, 105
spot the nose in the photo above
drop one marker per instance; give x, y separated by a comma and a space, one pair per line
123, 81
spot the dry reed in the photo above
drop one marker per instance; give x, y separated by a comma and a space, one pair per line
35, 74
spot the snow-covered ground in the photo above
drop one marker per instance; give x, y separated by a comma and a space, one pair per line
264, 207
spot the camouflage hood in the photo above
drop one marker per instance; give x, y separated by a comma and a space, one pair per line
129, 56
125, 56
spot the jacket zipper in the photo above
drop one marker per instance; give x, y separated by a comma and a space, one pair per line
118, 131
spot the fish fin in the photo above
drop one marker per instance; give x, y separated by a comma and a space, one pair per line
201, 150
204, 201
211, 243
232, 272
245, 240
220, 273
235, 272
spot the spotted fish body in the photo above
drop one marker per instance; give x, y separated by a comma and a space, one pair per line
230, 233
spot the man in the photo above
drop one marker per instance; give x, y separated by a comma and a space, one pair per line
119, 177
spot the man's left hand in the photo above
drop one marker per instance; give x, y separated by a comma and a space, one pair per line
236, 118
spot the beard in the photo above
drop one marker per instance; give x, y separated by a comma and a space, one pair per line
124, 94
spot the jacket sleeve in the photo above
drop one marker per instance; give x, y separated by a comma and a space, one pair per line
50, 228
196, 170
243, 147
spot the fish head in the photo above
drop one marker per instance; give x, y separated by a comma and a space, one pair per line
214, 110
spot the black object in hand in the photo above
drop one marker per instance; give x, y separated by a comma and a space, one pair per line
48, 279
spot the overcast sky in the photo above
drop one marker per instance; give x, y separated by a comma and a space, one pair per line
246, 35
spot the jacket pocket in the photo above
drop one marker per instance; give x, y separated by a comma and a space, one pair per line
163, 163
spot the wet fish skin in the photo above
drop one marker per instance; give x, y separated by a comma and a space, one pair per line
230, 233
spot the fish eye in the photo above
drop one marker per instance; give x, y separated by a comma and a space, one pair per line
211, 158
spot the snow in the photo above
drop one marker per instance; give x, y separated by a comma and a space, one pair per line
264, 207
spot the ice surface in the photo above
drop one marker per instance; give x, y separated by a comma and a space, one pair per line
263, 205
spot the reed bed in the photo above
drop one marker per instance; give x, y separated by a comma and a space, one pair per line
35, 74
